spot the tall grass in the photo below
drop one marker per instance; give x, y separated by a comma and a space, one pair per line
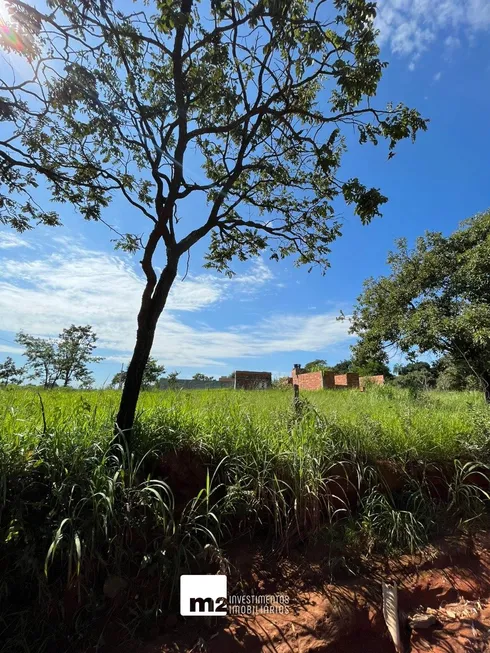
380, 422
77, 510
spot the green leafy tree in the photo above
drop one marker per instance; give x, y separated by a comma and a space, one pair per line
172, 379
453, 375
202, 377
371, 367
41, 358
318, 365
151, 377
10, 373
75, 348
436, 299
342, 367
63, 360
415, 376
240, 104
118, 379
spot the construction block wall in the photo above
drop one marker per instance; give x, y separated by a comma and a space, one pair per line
376, 380
349, 380
313, 380
328, 380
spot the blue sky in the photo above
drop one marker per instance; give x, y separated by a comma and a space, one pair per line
273, 315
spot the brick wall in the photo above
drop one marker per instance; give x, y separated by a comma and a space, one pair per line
349, 380
313, 380
377, 380
327, 380
252, 380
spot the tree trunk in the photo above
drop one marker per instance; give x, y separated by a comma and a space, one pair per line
150, 310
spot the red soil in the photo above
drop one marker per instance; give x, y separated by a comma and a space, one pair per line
450, 581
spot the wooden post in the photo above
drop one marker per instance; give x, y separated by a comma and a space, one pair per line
296, 403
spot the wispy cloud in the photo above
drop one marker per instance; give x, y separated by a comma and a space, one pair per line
9, 240
452, 43
47, 293
409, 27
10, 349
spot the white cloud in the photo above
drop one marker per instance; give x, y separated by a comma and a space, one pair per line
452, 42
80, 286
10, 349
437, 76
299, 333
9, 240
408, 27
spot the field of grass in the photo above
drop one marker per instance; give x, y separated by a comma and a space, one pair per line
382, 422
384, 469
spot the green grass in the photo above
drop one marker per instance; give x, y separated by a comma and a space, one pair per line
382, 422
76, 508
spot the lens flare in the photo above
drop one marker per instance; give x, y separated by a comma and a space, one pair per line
9, 37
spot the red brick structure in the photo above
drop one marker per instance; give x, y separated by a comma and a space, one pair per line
329, 380
252, 380
313, 380
349, 380
375, 380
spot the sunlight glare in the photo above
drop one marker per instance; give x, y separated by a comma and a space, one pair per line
4, 12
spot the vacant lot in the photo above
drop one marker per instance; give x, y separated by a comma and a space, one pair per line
380, 422
82, 519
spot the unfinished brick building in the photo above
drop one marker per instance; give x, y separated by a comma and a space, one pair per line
241, 380
375, 380
328, 380
313, 380
349, 380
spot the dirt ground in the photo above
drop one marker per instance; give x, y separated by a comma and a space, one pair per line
449, 584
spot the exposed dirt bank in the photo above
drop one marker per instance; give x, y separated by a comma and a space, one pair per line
449, 581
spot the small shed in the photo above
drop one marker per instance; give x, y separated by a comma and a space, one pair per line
252, 380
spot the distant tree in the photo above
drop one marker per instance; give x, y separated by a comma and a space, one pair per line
62, 360
172, 380
453, 375
152, 375
10, 373
342, 367
370, 367
244, 104
281, 382
75, 347
409, 368
202, 377
436, 299
118, 379
41, 358
416, 376
318, 365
